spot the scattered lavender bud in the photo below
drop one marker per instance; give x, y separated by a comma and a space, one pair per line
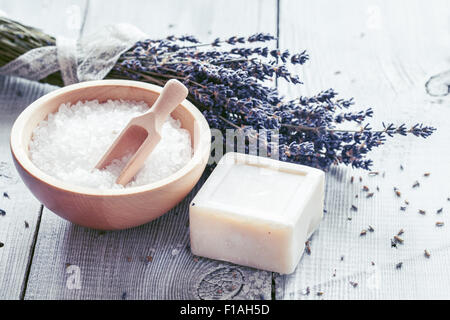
399, 240
365, 188
439, 210
26, 225
363, 232
393, 244
308, 247
422, 212
353, 284
354, 208
2, 212
403, 208
370, 195
426, 253
399, 265
371, 229
416, 184
2, 244
439, 224
400, 232
6, 195
426, 174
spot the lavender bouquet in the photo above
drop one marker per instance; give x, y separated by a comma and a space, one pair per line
228, 81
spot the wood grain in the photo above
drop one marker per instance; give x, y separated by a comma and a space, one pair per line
15, 94
382, 53
18, 226
152, 261
148, 262
58, 18
206, 20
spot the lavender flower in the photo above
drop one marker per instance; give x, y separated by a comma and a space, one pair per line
229, 86
228, 81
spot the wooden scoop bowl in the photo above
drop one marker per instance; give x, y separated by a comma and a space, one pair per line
142, 133
114, 208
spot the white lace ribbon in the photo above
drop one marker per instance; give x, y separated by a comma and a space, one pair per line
35, 64
66, 50
90, 58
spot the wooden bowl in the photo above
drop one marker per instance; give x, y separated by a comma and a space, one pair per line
109, 209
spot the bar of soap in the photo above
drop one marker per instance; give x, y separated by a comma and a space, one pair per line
257, 212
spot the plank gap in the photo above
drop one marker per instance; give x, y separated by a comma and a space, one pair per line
85, 14
277, 19
30, 257
273, 286
278, 24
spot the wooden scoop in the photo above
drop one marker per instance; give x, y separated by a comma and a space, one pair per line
142, 133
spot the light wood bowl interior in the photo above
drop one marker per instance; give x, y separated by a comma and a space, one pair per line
109, 209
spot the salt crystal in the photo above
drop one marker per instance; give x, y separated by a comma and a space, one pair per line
72, 140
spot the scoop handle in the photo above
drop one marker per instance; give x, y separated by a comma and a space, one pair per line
173, 93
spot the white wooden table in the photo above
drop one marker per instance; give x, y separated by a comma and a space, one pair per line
380, 52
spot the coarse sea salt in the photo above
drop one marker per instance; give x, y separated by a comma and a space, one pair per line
70, 142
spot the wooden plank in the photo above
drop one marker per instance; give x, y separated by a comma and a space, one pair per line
18, 226
154, 260
206, 20
381, 53
15, 94
66, 17
149, 262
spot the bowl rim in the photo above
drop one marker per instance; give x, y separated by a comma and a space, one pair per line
22, 158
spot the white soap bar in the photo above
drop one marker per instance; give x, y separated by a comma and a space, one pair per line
256, 212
